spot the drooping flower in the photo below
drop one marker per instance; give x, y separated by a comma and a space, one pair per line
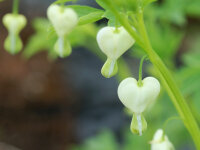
137, 97
113, 42
14, 24
63, 20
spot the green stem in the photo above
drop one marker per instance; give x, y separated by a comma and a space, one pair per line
140, 70
165, 75
168, 120
15, 8
171, 87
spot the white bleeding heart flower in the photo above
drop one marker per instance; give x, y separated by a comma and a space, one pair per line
14, 24
113, 42
136, 97
63, 19
161, 142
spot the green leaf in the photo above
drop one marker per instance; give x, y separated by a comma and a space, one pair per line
83, 10
63, 1
91, 17
40, 40
111, 18
147, 2
87, 14
193, 8
102, 4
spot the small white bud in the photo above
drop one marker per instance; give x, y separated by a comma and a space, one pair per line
161, 142
136, 97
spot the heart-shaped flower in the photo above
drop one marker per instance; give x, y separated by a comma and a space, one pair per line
113, 42
14, 24
161, 142
63, 19
136, 97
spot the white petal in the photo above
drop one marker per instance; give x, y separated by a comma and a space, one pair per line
135, 97
14, 23
161, 142
63, 19
114, 43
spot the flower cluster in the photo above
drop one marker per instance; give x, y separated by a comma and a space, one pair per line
114, 42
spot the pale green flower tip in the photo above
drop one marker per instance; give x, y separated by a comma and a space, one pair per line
110, 68
138, 124
63, 47
14, 22
13, 44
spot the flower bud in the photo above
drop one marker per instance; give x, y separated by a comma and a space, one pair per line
136, 97
160, 141
14, 24
113, 42
138, 124
63, 19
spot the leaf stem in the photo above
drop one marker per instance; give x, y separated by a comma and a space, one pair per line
171, 87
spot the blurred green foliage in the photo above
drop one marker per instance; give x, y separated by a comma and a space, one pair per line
104, 140
170, 34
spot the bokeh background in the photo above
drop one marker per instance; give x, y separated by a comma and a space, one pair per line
48, 103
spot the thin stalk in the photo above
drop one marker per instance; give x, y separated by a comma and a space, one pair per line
168, 120
140, 70
165, 75
15, 8
172, 89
